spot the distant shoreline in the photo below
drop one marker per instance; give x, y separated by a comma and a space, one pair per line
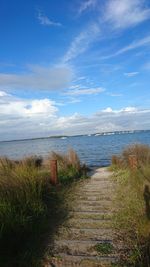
79, 135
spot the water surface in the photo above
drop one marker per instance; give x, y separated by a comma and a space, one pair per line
93, 150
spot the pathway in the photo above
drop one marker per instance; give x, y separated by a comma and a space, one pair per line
87, 240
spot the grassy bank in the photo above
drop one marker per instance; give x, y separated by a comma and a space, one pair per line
132, 219
31, 208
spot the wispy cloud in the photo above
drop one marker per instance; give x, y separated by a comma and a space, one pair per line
126, 13
38, 78
134, 45
114, 94
117, 15
89, 91
44, 20
73, 100
146, 66
75, 86
131, 74
86, 5
81, 42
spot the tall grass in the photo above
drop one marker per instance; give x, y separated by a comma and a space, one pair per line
133, 204
22, 189
28, 202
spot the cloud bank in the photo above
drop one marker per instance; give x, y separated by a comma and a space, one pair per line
35, 118
38, 78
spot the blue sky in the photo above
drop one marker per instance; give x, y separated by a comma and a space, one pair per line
73, 67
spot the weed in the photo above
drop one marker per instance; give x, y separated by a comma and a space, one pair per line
104, 248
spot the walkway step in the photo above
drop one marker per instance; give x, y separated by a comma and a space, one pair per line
101, 208
91, 215
99, 196
80, 223
93, 202
84, 261
98, 189
86, 233
82, 247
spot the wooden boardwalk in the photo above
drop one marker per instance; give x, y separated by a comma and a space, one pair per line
87, 239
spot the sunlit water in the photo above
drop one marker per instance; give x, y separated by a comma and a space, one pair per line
93, 150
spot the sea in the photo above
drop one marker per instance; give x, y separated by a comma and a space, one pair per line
93, 150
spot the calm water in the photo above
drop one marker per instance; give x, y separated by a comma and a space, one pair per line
93, 150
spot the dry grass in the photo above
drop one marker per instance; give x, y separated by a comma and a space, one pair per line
139, 151
65, 160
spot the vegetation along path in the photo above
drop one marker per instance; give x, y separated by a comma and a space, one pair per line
87, 239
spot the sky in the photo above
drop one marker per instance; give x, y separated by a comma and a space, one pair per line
73, 67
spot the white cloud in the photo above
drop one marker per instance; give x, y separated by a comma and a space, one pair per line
38, 78
44, 20
2, 94
123, 110
131, 74
43, 106
88, 91
81, 43
86, 4
73, 121
109, 110
129, 109
126, 13
25, 108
